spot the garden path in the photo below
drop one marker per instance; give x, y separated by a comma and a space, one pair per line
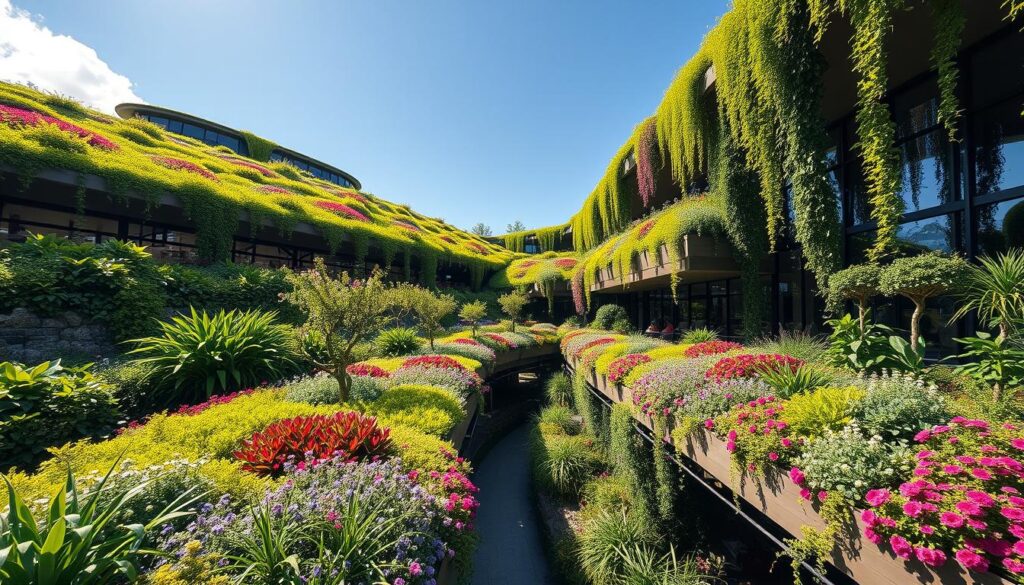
511, 550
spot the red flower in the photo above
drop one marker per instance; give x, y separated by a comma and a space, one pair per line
176, 164
645, 228
433, 361
249, 165
621, 367
273, 189
213, 401
361, 369
348, 435
467, 341
710, 348
565, 263
340, 208
750, 366
405, 225
14, 116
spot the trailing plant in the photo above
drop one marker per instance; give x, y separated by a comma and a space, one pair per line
813, 413
627, 454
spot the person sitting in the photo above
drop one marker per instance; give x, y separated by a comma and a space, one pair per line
652, 329
668, 331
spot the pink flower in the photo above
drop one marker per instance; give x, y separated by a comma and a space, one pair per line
1012, 513
797, 476
952, 469
822, 495
923, 436
971, 560
912, 509
1017, 444
930, 556
1014, 566
927, 529
980, 473
951, 519
876, 498
900, 546
872, 536
773, 456
1018, 548
1016, 530
968, 507
786, 443
994, 547
869, 517
977, 524
805, 494
709, 424
981, 498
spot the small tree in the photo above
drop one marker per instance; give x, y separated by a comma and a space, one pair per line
920, 278
995, 289
473, 312
516, 226
342, 312
858, 283
481, 229
430, 310
512, 305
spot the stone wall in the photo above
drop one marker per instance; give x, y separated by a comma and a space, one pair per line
28, 338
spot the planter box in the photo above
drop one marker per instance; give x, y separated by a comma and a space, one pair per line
777, 497
458, 434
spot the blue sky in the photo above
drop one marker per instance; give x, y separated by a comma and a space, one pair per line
471, 111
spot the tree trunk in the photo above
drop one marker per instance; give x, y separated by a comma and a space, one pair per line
344, 384
1004, 331
862, 317
431, 343
915, 323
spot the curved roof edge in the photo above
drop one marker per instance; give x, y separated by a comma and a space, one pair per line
129, 110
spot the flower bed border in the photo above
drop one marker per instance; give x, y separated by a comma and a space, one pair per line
779, 499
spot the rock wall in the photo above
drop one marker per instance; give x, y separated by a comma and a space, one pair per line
28, 338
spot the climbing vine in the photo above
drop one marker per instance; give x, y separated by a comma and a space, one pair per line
949, 26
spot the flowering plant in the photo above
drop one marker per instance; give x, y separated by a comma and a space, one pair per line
751, 366
711, 348
501, 341
966, 499
755, 433
340, 208
662, 388
645, 228
273, 189
621, 367
405, 225
14, 116
324, 511
433, 361
846, 463
250, 165
709, 400
176, 164
461, 383
466, 341
346, 435
591, 344
190, 410
361, 369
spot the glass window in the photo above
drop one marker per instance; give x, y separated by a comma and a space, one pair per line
927, 171
858, 208
916, 109
194, 131
999, 148
174, 126
1000, 227
940, 233
998, 71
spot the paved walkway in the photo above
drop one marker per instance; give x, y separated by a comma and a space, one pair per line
511, 550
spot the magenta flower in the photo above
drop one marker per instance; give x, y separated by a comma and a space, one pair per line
878, 497
952, 469
1014, 514
968, 507
930, 556
1014, 566
900, 546
340, 208
981, 498
951, 519
176, 164
981, 473
1017, 444
971, 560
797, 476
912, 509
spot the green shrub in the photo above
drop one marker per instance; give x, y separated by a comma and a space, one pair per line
397, 341
431, 410
583, 402
787, 382
607, 315
623, 326
604, 539
846, 464
570, 462
824, 409
559, 389
632, 460
131, 385
699, 335
560, 417
198, 355
313, 390
49, 405
897, 406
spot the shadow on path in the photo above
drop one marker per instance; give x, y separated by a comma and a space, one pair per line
511, 550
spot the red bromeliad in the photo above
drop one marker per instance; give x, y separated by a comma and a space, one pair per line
348, 435
14, 116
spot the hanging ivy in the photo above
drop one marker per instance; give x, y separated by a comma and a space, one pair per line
259, 148
949, 27
645, 151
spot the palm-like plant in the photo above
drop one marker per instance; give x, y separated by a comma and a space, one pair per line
198, 355
995, 289
78, 543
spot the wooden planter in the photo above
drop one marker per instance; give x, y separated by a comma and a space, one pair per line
774, 495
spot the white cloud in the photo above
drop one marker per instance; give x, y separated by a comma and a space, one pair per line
30, 52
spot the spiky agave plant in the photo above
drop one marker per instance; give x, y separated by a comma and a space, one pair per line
198, 355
